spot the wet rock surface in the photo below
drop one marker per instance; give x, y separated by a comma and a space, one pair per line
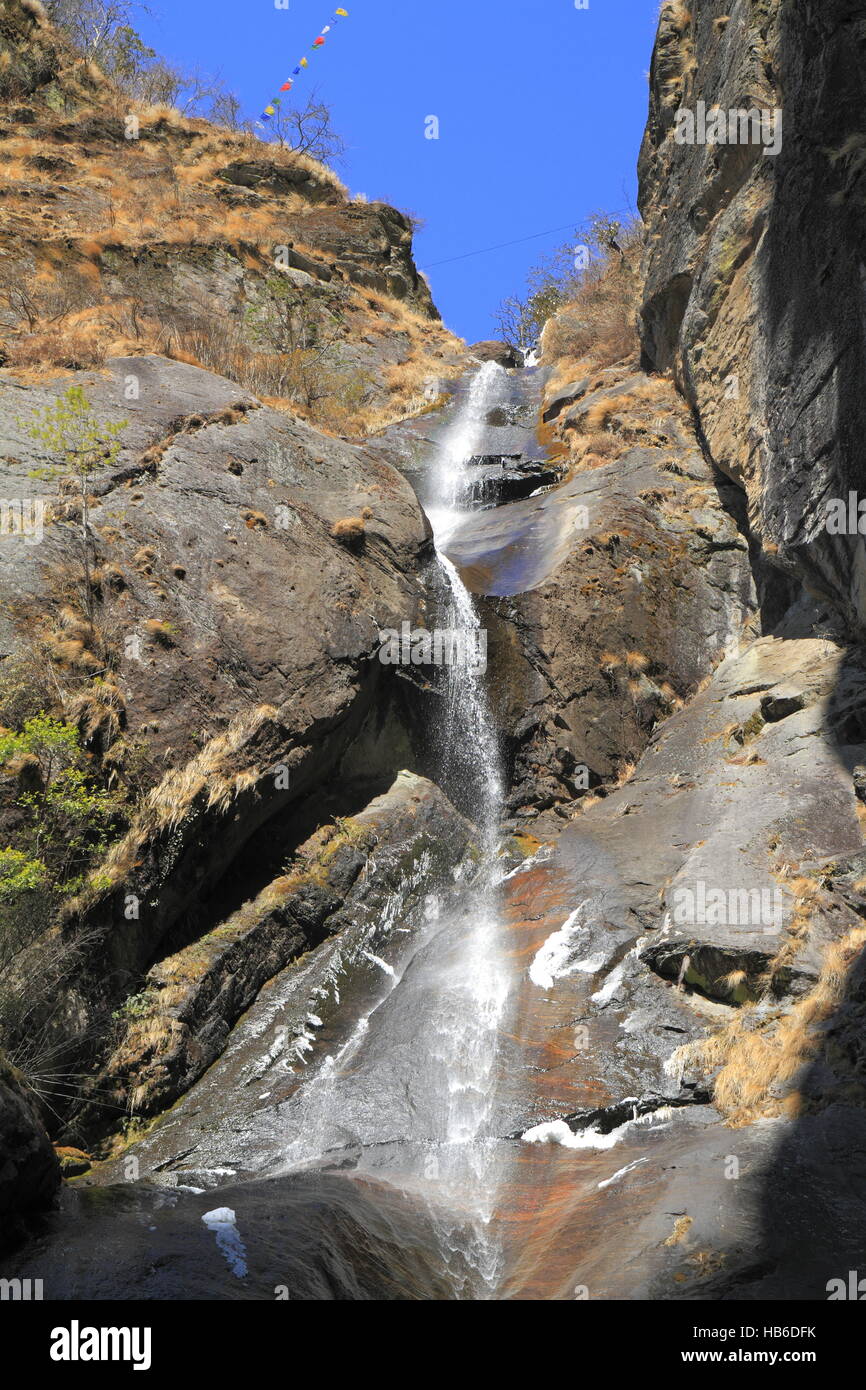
343, 881
615, 591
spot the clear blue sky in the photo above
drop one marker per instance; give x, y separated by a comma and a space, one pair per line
541, 110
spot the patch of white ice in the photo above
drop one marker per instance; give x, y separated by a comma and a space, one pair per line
551, 961
223, 1223
622, 1172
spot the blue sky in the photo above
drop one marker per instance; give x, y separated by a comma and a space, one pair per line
541, 108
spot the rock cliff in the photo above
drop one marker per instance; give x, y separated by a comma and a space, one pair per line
676, 667
753, 269
216, 302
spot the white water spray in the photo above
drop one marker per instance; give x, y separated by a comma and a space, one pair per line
451, 474
474, 989
411, 1094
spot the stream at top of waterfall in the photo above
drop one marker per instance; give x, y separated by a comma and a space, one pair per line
394, 1168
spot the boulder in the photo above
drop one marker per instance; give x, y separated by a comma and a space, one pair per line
29, 1170
503, 353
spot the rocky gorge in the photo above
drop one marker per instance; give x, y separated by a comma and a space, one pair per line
538, 979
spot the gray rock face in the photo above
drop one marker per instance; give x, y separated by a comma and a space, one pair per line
263, 173
696, 819
220, 528
29, 1171
342, 881
753, 269
241, 633
626, 966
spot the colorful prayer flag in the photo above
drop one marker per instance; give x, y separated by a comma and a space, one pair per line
270, 111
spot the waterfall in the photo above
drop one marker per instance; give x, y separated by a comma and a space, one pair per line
475, 984
411, 1094
450, 480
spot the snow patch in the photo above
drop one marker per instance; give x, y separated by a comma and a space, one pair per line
551, 961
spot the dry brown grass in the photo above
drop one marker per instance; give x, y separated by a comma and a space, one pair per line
758, 1058
98, 712
682, 1226
598, 328
805, 893
349, 531
625, 772
637, 662
601, 445
601, 413
57, 347
161, 630
162, 194
680, 15
225, 768
733, 981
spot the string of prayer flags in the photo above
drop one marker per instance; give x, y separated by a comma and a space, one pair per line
319, 42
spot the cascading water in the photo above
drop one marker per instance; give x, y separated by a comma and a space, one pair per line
413, 1092
475, 983
449, 481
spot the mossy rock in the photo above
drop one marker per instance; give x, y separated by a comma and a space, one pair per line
73, 1162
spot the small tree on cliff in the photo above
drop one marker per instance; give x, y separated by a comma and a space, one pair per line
309, 130
71, 430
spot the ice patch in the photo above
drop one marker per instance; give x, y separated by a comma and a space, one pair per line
223, 1224
610, 986
554, 1132
382, 964
622, 1172
558, 1132
591, 965
552, 960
